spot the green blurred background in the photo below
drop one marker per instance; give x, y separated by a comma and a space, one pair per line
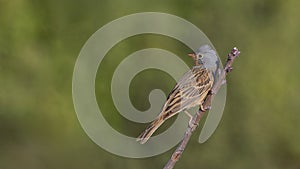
39, 44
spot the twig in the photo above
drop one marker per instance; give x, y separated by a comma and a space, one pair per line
206, 106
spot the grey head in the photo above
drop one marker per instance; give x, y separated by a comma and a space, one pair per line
207, 57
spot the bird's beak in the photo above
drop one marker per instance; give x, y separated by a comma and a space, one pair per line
192, 55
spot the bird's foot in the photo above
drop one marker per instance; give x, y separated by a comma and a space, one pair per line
204, 108
191, 123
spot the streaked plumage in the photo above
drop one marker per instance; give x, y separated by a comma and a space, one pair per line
190, 91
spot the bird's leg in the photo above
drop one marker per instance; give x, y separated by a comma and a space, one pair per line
191, 119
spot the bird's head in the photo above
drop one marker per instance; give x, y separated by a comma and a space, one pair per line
207, 57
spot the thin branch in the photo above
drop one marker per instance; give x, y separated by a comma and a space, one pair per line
206, 106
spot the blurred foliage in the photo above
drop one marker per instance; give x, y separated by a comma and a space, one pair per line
39, 44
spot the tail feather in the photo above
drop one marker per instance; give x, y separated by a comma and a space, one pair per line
143, 137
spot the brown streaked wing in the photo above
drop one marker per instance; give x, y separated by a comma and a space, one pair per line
190, 91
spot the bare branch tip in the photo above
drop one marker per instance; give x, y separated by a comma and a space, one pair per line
235, 52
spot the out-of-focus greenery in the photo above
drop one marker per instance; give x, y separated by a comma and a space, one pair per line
39, 44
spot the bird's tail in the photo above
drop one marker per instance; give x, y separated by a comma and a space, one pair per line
144, 136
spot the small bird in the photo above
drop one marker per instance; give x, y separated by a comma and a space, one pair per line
190, 91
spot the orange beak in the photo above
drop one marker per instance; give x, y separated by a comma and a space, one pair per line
192, 55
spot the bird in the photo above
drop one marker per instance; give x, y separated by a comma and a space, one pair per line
190, 90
